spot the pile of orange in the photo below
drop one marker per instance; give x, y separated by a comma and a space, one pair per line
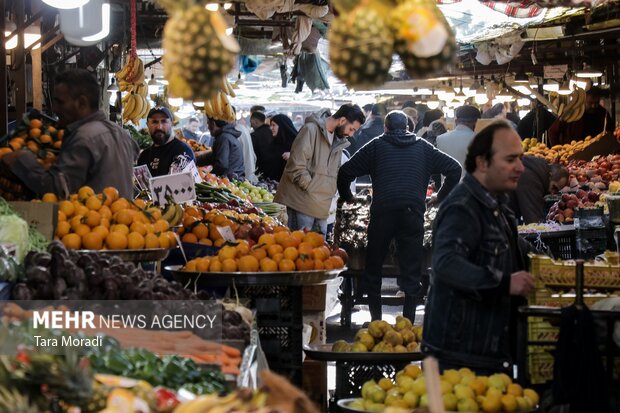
106, 221
41, 139
281, 251
200, 226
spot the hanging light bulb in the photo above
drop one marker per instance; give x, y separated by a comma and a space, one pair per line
113, 98
65, 4
153, 85
227, 6
113, 88
588, 72
212, 6
199, 104
564, 88
521, 77
10, 27
433, 101
481, 94
176, 102
548, 86
229, 31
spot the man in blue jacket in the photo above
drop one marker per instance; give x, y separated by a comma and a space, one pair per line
478, 265
400, 166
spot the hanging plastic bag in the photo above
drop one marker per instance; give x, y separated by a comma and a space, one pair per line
253, 363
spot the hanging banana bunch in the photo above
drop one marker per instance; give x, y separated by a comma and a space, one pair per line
131, 79
219, 107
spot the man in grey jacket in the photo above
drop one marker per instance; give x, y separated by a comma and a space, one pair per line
94, 152
227, 156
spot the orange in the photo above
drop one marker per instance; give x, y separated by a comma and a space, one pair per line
219, 242
72, 241
229, 265
278, 257
45, 139
268, 265
189, 220
60, 134
193, 212
266, 239
138, 227
85, 192
124, 216
67, 208
286, 265
248, 263
81, 209
135, 241
318, 265
200, 231
82, 229
116, 241
328, 264
321, 253
274, 249
305, 249
155, 213
151, 241
299, 234
202, 264
291, 253
32, 145
61, 216
215, 266
105, 212
227, 252
314, 238
189, 237
93, 203
49, 197
119, 204
93, 218
281, 236
105, 222
190, 266
206, 241
304, 264
290, 241
34, 132
62, 229
92, 241
150, 228
514, 389
122, 228
57, 144
214, 234
164, 241
161, 225
139, 203
338, 262
51, 130
103, 231
36, 123
110, 194
258, 253
76, 221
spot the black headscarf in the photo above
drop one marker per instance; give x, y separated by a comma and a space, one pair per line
286, 131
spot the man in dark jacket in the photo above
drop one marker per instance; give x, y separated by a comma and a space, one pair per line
477, 262
400, 165
227, 156
167, 154
268, 161
370, 130
538, 179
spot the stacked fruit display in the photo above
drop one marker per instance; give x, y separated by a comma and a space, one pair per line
255, 193
282, 251
198, 51
131, 80
105, 221
380, 337
196, 146
561, 153
37, 135
563, 211
597, 173
461, 390
366, 33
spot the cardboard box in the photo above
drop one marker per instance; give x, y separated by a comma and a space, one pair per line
42, 215
314, 297
315, 382
316, 320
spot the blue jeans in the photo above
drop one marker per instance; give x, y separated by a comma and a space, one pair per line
297, 220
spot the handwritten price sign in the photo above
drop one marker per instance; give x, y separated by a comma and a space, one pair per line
179, 187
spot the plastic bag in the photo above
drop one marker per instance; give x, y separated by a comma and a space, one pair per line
253, 363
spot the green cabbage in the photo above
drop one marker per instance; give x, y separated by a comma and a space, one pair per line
14, 230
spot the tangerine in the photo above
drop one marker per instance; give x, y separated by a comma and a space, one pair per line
190, 266
110, 195
161, 225
138, 227
189, 237
290, 241
151, 241
314, 238
291, 253
118, 205
258, 253
266, 239
304, 264
93, 203
72, 241
305, 248
321, 253
268, 265
124, 216
206, 241
201, 231
103, 231
61, 216
202, 264
62, 229
82, 229
286, 265
85, 192
122, 228
278, 257
274, 249
93, 218
105, 212
92, 241
49, 197
80, 209
116, 241
215, 266
189, 220
164, 241
135, 241
249, 263
229, 265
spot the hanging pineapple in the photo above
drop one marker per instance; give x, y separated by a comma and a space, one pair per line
360, 47
197, 50
424, 40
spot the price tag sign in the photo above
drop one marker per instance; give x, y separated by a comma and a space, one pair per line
179, 187
193, 169
227, 234
143, 176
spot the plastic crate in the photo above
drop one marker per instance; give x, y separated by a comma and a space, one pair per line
351, 376
540, 364
538, 329
546, 298
560, 244
561, 274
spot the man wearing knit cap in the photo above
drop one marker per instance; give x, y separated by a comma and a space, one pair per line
455, 143
400, 166
167, 151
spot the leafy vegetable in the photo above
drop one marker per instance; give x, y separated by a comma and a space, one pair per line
142, 137
14, 230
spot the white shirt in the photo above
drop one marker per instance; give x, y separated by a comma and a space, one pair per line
455, 143
249, 157
330, 137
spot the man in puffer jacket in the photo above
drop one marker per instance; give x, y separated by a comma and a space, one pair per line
400, 166
227, 156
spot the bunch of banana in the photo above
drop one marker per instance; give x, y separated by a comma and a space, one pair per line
173, 213
139, 88
569, 108
135, 107
132, 72
220, 108
240, 401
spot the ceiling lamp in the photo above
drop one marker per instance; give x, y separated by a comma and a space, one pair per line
65, 4
481, 95
212, 6
199, 104
176, 102
153, 85
113, 88
550, 87
227, 6
588, 72
447, 92
32, 35
521, 77
86, 25
433, 102
564, 88
504, 95
10, 27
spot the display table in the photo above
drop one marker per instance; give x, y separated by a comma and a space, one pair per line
277, 298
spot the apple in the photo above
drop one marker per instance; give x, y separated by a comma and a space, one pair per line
569, 213
572, 204
561, 204
565, 197
593, 196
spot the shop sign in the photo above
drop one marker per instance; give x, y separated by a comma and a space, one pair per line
554, 71
179, 187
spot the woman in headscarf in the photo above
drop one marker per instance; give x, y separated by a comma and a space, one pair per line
284, 133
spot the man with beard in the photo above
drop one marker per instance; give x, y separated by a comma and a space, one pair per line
308, 183
94, 152
167, 152
595, 120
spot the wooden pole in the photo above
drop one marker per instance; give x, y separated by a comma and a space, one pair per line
20, 61
4, 115
37, 70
